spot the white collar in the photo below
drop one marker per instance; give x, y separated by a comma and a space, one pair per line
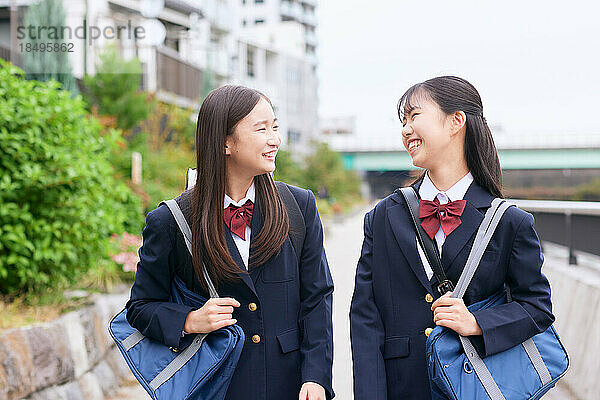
250, 195
428, 191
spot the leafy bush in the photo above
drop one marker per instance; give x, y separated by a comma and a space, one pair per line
166, 142
163, 171
169, 124
114, 90
59, 201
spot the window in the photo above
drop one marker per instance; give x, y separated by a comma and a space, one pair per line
293, 136
258, 1
250, 62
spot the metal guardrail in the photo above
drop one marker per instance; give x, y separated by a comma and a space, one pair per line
574, 224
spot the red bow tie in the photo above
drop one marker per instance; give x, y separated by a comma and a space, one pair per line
435, 214
237, 218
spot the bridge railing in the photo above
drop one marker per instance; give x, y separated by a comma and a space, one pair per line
574, 224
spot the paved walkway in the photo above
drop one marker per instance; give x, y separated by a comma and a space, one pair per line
343, 240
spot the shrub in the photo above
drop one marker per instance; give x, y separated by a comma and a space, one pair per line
163, 171
59, 201
114, 90
169, 124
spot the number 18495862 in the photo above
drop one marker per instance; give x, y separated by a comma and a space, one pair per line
47, 47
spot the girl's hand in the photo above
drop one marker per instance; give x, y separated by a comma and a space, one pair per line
311, 391
215, 314
453, 313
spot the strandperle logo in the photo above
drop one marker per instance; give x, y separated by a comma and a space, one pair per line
87, 32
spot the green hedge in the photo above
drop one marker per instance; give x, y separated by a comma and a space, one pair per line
59, 201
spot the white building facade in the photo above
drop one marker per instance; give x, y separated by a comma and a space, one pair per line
206, 44
277, 54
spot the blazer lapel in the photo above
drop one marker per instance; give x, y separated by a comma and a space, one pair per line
235, 254
401, 225
256, 226
477, 198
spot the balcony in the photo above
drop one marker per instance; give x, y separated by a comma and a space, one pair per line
219, 62
291, 10
177, 77
5, 53
309, 18
219, 15
311, 39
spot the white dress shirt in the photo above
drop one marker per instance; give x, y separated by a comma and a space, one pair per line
428, 191
242, 245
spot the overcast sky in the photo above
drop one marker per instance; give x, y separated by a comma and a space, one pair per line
536, 64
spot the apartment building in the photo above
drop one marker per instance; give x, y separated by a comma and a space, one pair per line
192, 45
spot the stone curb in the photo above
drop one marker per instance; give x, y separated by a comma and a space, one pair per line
70, 358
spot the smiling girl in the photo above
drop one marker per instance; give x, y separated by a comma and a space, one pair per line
240, 231
396, 300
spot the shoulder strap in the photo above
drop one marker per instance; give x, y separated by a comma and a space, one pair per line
297, 224
484, 235
427, 244
187, 235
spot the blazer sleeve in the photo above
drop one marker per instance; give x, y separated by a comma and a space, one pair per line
367, 332
530, 312
316, 293
149, 309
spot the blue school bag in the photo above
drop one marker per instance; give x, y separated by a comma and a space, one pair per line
526, 371
201, 371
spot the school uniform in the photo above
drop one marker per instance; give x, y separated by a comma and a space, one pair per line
391, 315
285, 307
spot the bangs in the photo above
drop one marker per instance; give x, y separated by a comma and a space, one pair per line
411, 99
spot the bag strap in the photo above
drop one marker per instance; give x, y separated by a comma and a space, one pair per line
484, 234
482, 239
427, 244
297, 224
187, 235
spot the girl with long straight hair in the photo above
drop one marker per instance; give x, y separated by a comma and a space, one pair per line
241, 233
396, 301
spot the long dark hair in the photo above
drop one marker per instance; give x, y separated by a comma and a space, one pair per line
454, 94
219, 114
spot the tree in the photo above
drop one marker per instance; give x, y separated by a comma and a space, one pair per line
325, 168
47, 57
115, 89
287, 170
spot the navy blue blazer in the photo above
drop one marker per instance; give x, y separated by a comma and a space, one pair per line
389, 311
293, 316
